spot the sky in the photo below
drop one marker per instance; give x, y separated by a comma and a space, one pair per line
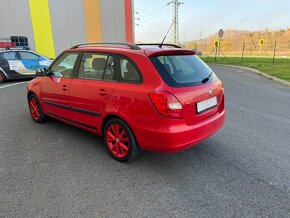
201, 18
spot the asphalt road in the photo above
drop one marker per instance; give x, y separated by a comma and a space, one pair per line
57, 170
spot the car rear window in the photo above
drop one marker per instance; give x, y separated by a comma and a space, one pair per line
183, 70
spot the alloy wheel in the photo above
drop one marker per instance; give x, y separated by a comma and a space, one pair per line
34, 109
117, 141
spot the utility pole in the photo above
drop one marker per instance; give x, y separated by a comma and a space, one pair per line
176, 4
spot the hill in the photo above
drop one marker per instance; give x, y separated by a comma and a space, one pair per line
233, 40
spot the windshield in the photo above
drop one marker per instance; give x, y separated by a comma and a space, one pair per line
183, 70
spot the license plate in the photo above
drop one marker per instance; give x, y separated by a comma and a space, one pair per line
206, 105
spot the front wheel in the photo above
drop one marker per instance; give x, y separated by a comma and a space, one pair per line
35, 109
2, 77
120, 140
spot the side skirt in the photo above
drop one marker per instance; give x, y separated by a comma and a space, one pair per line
89, 128
92, 113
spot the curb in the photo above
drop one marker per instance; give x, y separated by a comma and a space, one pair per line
283, 82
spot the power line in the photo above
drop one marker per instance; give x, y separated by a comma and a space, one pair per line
150, 5
153, 14
176, 4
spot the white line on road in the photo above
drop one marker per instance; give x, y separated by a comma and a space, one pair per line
14, 84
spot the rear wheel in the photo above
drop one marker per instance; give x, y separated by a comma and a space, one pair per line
2, 77
120, 140
35, 109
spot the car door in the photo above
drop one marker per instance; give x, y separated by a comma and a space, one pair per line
56, 87
11, 63
92, 89
28, 63
4, 65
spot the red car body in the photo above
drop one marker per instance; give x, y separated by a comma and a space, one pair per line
144, 106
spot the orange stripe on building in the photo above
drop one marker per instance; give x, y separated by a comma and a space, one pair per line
93, 20
129, 21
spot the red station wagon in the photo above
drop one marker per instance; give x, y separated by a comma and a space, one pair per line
138, 97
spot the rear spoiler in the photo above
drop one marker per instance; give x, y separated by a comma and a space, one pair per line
159, 52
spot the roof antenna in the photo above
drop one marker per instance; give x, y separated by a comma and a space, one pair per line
160, 46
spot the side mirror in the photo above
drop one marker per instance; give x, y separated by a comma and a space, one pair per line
41, 72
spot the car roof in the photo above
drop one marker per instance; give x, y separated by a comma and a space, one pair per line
8, 50
148, 50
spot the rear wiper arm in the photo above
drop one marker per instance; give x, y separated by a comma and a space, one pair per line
207, 78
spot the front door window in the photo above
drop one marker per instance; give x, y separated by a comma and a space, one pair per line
63, 67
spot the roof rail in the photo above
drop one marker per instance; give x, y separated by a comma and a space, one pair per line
15, 48
157, 44
131, 46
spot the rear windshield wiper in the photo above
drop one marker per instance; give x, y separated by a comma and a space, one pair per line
207, 78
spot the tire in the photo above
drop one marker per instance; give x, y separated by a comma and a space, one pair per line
2, 77
35, 109
120, 141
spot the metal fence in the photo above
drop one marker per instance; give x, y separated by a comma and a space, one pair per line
277, 49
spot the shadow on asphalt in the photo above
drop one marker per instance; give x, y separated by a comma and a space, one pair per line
14, 81
147, 157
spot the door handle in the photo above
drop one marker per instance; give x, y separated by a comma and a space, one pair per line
64, 88
102, 92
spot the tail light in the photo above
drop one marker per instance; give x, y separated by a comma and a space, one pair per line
167, 104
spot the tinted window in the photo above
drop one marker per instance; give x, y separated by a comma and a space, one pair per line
110, 69
182, 70
128, 71
97, 66
28, 56
9, 55
166, 63
63, 67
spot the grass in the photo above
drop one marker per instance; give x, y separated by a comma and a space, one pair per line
280, 69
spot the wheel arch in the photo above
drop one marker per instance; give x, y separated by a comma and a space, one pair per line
5, 74
30, 93
3, 71
111, 116
106, 119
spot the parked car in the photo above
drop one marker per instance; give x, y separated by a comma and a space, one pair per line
20, 63
136, 97
197, 52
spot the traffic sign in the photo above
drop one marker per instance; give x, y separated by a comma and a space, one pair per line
216, 43
221, 33
262, 41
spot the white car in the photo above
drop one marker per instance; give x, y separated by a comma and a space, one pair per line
18, 63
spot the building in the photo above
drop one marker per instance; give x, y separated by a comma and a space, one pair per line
54, 25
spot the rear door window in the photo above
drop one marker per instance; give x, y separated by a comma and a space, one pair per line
183, 70
97, 66
129, 71
29, 56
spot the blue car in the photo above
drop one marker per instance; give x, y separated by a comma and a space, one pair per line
18, 64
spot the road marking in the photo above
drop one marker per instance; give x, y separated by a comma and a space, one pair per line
14, 84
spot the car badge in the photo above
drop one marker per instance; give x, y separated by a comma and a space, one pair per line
210, 92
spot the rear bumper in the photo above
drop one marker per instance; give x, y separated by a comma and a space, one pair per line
181, 136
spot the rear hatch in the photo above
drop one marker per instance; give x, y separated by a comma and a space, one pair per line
192, 82
200, 102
